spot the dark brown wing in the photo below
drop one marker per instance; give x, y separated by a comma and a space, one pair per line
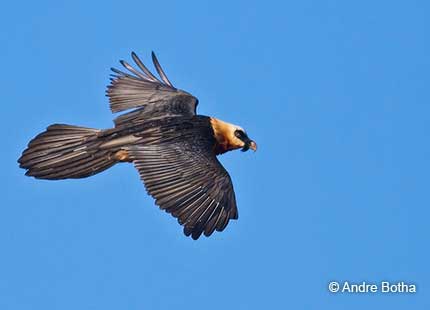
153, 97
188, 181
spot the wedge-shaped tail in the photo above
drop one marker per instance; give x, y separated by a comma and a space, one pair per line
65, 151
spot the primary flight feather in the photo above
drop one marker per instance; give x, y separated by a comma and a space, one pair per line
174, 149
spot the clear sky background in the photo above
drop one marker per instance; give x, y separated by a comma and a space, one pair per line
336, 93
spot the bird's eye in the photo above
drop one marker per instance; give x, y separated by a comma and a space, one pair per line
239, 134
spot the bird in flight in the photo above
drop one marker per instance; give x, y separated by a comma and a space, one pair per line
173, 148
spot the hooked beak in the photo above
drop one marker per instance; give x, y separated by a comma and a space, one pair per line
253, 145
249, 144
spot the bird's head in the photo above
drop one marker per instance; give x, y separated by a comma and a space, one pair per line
245, 142
231, 137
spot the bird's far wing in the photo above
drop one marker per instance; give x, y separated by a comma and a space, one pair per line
188, 181
150, 96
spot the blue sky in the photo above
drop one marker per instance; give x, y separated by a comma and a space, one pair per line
334, 92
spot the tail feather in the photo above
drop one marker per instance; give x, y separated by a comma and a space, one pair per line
66, 151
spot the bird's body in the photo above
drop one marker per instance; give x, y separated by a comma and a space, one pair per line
173, 148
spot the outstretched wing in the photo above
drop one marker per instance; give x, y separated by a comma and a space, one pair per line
150, 96
188, 181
